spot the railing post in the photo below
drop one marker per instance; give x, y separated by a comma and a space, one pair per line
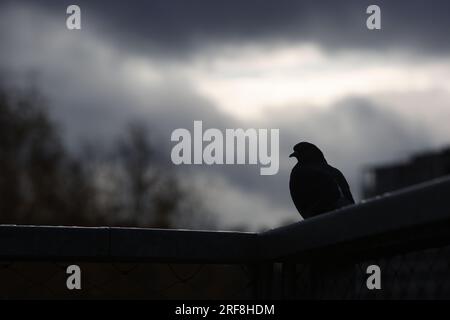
263, 276
288, 280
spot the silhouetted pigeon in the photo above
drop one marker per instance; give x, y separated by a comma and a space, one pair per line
316, 187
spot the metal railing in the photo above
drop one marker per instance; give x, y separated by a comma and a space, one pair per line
406, 233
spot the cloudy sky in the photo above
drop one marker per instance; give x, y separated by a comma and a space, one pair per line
309, 68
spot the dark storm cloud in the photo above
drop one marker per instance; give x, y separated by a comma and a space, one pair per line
178, 27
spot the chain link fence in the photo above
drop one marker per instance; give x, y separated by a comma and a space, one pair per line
47, 280
423, 274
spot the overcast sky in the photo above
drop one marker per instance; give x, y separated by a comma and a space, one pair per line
309, 68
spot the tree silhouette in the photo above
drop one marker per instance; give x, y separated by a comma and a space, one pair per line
38, 181
42, 183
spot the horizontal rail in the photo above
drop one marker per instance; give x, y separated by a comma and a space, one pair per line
125, 244
416, 216
413, 217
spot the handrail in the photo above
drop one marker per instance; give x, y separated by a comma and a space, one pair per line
410, 217
125, 244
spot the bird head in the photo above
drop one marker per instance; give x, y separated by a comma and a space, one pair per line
306, 152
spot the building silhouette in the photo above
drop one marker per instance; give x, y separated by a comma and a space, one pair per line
419, 168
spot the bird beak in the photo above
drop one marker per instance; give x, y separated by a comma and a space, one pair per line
292, 154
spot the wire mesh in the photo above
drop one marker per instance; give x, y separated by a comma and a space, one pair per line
423, 274
47, 280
